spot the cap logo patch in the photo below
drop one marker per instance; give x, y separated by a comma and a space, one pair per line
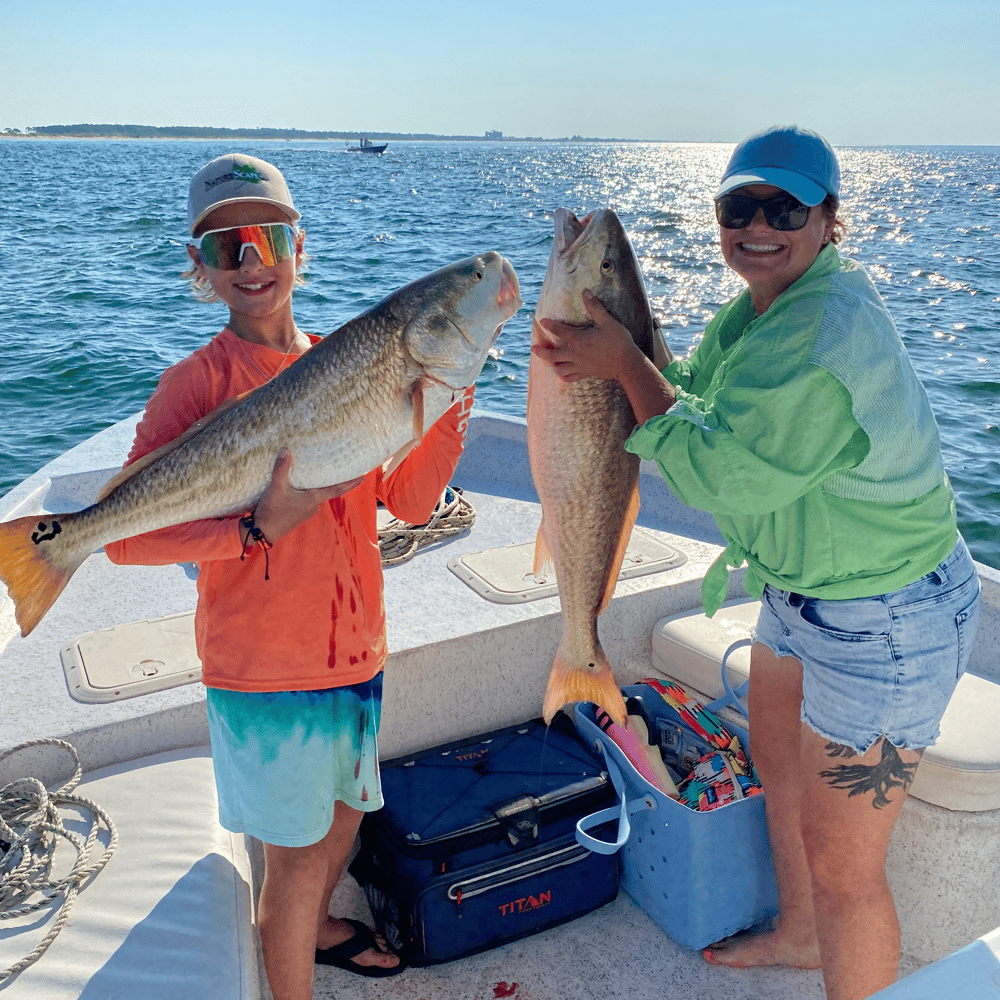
247, 173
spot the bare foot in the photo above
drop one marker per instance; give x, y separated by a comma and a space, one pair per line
336, 932
748, 951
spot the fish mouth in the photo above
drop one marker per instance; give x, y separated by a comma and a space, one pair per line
572, 233
510, 291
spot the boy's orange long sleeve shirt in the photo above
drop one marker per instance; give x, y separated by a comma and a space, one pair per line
319, 621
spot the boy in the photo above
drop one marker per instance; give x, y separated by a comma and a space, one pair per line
290, 622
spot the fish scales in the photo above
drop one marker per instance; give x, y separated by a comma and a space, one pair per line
587, 483
593, 482
226, 468
349, 404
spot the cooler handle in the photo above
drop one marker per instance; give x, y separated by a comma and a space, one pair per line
622, 811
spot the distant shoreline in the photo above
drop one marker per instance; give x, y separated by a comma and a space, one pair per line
198, 132
191, 132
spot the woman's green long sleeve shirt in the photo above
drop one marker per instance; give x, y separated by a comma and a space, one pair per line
808, 436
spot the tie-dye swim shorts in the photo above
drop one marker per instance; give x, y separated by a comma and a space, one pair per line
282, 759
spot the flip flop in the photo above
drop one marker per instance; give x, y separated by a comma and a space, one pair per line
342, 955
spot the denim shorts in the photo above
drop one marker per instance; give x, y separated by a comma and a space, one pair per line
282, 759
879, 666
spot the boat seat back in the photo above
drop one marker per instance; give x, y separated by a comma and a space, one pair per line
170, 916
961, 771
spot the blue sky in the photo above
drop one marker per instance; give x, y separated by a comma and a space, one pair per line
862, 72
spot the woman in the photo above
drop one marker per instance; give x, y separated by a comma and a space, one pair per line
799, 423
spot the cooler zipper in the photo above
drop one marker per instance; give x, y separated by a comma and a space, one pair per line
505, 876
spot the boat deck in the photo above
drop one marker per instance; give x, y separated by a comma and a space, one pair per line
614, 953
459, 665
439, 629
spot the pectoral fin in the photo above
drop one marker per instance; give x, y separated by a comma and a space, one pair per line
393, 462
630, 515
662, 355
418, 409
417, 398
544, 564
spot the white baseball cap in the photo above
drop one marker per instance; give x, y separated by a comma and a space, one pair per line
237, 177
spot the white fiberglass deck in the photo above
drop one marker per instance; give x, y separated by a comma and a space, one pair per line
505, 650
459, 665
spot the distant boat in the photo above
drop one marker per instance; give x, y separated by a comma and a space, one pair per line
367, 146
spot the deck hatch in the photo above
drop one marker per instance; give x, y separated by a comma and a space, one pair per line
132, 659
504, 575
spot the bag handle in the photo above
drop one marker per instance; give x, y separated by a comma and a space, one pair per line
733, 696
622, 811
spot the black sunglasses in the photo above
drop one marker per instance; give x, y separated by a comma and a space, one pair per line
782, 211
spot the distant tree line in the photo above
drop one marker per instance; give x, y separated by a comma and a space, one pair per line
206, 132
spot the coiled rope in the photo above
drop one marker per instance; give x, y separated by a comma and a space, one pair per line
30, 830
398, 541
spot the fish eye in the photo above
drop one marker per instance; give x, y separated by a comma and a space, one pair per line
607, 265
479, 275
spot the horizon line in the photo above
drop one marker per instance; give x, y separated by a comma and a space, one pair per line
117, 130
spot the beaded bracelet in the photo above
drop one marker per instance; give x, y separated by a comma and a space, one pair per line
259, 540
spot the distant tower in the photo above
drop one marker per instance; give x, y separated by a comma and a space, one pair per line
493, 134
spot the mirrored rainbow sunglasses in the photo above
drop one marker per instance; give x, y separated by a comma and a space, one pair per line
223, 249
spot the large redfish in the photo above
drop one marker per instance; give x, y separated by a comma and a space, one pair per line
356, 399
587, 483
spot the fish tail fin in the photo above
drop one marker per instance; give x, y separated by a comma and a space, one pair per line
623, 539
32, 579
595, 683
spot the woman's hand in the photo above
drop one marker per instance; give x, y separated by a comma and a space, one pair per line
605, 350
283, 508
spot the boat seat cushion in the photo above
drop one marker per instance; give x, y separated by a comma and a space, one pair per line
170, 915
960, 771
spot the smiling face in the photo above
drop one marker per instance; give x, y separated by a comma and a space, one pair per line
771, 260
253, 292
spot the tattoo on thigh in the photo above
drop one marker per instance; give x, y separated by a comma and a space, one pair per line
881, 778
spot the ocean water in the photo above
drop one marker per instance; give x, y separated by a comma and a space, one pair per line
93, 234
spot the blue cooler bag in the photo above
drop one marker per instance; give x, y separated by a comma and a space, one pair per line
476, 845
701, 876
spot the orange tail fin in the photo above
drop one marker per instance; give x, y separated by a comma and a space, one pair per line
32, 581
597, 685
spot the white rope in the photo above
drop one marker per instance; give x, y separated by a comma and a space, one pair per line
30, 830
398, 540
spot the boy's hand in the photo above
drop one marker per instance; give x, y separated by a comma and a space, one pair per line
604, 350
283, 508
